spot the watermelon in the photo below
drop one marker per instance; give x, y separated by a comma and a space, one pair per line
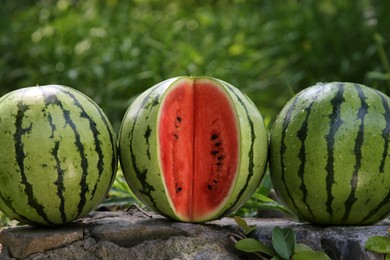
329, 154
193, 148
58, 155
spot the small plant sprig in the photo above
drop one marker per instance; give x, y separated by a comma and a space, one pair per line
284, 244
379, 244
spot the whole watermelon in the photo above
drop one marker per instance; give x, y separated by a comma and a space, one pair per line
329, 154
193, 148
58, 155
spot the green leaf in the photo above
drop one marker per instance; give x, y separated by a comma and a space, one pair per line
301, 248
251, 245
249, 229
263, 198
304, 252
241, 222
283, 241
378, 75
387, 257
310, 255
244, 225
290, 238
379, 244
267, 203
378, 38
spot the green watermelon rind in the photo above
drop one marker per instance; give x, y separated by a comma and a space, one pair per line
328, 150
40, 161
150, 188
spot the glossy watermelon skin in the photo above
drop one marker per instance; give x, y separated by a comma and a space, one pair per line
140, 154
329, 154
58, 155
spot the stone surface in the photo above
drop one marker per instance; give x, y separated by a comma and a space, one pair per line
343, 243
133, 235
24, 241
349, 242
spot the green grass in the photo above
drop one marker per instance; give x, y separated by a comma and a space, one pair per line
112, 50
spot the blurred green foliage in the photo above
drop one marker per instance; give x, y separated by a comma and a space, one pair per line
112, 50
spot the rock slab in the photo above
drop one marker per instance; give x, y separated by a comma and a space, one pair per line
133, 235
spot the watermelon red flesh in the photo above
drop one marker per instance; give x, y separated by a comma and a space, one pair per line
199, 147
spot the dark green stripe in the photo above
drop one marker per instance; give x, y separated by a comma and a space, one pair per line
147, 135
335, 123
8, 202
302, 135
141, 174
283, 149
385, 131
386, 137
251, 164
97, 144
112, 141
60, 181
20, 156
154, 102
363, 110
84, 160
51, 99
374, 211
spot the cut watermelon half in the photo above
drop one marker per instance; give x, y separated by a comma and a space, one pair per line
198, 143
